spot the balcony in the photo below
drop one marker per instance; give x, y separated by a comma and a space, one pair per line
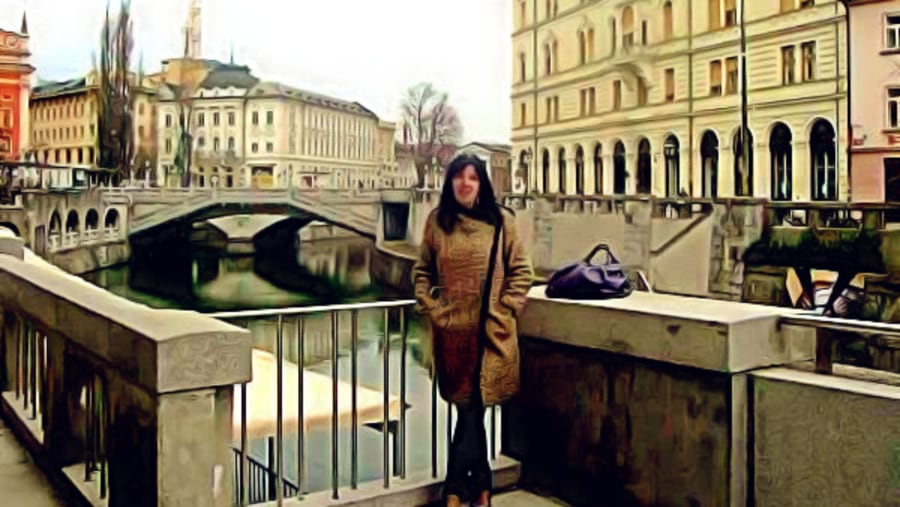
654, 386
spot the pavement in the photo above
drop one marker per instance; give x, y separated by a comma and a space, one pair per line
521, 498
22, 484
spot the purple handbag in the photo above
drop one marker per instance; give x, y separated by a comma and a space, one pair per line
583, 280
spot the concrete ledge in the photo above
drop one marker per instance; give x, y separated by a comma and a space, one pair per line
162, 350
417, 489
702, 333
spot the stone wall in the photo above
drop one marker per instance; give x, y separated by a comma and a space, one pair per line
825, 441
87, 258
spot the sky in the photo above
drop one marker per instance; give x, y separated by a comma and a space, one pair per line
369, 51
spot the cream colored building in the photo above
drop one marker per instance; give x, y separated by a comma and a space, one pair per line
65, 117
263, 134
645, 97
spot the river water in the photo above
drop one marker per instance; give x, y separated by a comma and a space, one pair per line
324, 271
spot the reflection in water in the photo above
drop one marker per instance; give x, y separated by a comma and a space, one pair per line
320, 272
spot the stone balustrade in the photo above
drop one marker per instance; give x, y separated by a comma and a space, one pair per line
126, 402
668, 400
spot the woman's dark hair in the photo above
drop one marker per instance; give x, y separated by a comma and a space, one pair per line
486, 207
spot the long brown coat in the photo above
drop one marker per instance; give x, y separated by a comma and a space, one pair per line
455, 265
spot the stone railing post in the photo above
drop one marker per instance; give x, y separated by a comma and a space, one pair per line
166, 380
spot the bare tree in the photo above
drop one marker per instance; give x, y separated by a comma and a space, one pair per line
430, 123
116, 104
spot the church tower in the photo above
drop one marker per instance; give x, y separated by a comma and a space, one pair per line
192, 31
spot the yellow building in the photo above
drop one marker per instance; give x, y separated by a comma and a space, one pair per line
248, 132
637, 97
65, 117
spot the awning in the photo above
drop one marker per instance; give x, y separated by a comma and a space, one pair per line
317, 404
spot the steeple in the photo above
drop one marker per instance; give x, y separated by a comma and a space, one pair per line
192, 31
231, 59
24, 29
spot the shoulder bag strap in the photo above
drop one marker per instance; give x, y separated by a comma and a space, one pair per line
486, 294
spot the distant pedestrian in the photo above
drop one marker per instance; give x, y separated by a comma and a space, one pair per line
472, 305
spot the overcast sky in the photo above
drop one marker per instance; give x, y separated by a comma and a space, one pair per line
364, 50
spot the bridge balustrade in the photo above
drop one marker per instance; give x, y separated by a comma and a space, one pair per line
333, 403
110, 396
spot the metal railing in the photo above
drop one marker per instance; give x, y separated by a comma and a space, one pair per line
832, 330
31, 388
248, 490
261, 480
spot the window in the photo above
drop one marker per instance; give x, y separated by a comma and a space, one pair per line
230, 143
628, 27
548, 11
743, 176
807, 3
168, 146
582, 47
522, 67
672, 157
201, 120
731, 74
824, 172
715, 15
598, 168
809, 60
780, 151
709, 155
168, 120
254, 147
787, 65
548, 103
140, 132
140, 109
548, 59
579, 170
893, 117
590, 44
667, 21
216, 144
892, 32
592, 100
731, 13
231, 119
620, 174
270, 147
255, 117
644, 169
715, 78
670, 85
201, 142
644, 33
642, 93
613, 38
523, 18
216, 119
556, 108
270, 117
582, 104
522, 114
617, 95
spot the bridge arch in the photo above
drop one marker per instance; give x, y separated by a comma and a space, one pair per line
12, 228
91, 220
73, 224
111, 219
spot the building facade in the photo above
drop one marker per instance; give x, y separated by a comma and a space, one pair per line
247, 132
637, 97
497, 163
15, 90
875, 100
65, 118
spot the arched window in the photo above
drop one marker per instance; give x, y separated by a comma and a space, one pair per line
668, 27
709, 155
619, 173
555, 58
545, 173
561, 163
628, 27
579, 170
743, 176
780, 149
522, 176
644, 167
522, 75
822, 157
590, 44
673, 173
73, 224
598, 168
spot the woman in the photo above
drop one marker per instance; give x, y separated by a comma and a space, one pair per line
476, 355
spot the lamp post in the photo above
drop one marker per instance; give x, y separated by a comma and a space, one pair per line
745, 150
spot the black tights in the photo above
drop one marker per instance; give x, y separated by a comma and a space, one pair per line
468, 453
